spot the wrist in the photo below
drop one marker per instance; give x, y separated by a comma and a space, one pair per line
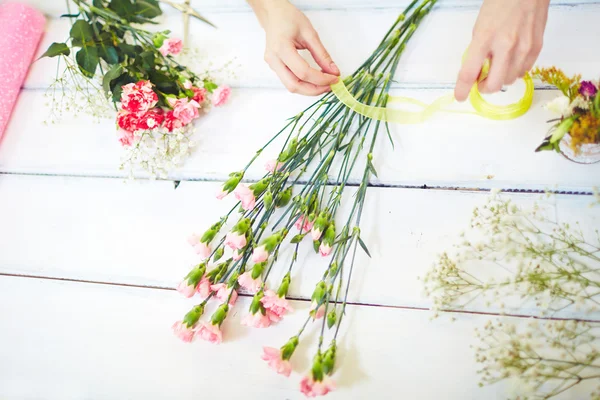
262, 8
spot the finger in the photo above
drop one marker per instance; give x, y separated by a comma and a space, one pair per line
469, 71
521, 53
290, 57
500, 64
322, 58
292, 83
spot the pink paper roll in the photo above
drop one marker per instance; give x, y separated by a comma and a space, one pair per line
21, 28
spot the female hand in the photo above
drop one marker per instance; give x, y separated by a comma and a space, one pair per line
287, 31
510, 33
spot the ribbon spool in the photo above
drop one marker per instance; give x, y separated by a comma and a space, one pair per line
482, 107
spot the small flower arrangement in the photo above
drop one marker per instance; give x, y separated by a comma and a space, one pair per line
157, 99
515, 258
577, 131
298, 203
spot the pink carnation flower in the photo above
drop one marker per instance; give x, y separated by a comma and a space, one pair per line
187, 85
236, 256
252, 285
273, 165
235, 240
260, 254
312, 388
273, 358
316, 233
152, 119
221, 194
209, 332
186, 289
221, 95
199, 95
246, 196
320, 312
182, 331
184, 110
325, 249
204, 287
126, 138
222, 293
257, 320
276, 306
172, 122
303, 224
203, 249
138, 97
171, 46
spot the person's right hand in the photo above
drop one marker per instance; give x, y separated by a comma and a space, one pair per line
287, 31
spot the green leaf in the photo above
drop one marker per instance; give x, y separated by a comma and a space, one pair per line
210, 86
82, 34
372, 168
110, 76
70, 15
109, 54
57, 49
364, 246
316, 245
87, 59
148, 8
148, 59
116, 86
124, 8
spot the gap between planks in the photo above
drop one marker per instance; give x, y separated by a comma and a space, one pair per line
295, 298
177, 181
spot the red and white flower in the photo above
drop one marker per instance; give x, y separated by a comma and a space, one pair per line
138, 97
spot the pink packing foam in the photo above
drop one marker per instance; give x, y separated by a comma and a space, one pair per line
21, 28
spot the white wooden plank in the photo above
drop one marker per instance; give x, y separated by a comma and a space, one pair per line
431, 57
448, 150
72, 341
55, 8
135, 233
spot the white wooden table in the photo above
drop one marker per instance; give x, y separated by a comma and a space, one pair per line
88, 262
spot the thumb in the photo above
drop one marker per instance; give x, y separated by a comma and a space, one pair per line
320, 54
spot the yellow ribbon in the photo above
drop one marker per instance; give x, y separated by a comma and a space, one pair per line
481, 106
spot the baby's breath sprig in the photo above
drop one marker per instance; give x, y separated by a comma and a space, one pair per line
524, 257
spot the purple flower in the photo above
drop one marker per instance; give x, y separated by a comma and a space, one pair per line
587, 89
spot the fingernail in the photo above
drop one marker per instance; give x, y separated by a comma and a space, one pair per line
334, 68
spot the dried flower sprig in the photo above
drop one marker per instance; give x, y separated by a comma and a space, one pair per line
302, 191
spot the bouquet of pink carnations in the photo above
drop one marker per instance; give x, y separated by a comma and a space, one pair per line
157, 98
302, 191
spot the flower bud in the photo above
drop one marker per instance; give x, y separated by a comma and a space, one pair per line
329, 359
259, 187
159, 39
268, 200
329, 237
317, 368
218, 254
220, 314
289, 151
196, 274
319, 292
331, 318
285, 285
333, 269
232, 183
193, 316
287, 350
284, 197
258, 269
242, 226
233, 279
256, 304
209, 235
